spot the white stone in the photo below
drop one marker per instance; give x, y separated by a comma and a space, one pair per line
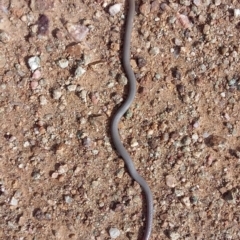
68, 199
34, 63
42, 100
171, 181
217, 2
14, 201
79, 72
57, 93
134, 144
195, 137
63, 169
114, 233
63, 63
71, 88
26, 144
114, 9
236, 13
174, 236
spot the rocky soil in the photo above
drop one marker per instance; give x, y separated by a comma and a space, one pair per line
61, 80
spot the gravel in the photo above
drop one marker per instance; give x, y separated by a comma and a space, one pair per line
174, 235
57, 93
77, 31
68, 199
182, 130
114, 233
63, 63
171, 181
154, 51
4, 37
43, 100
13, 202
122, 79
71, 88
115, 9
236, 13
79, 72
34, 63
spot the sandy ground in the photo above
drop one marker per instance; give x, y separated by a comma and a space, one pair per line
60, 177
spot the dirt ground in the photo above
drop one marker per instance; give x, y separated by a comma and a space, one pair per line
61, 80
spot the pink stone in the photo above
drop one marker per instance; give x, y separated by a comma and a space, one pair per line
36, 74
34, 85
95, 98
184, 20
77, 31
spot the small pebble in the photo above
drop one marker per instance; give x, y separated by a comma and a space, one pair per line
14, 202
2, 60
115, 9
71, 88
110, 84
171, 181
186, 141
95, 97
177, 42
174, 235
34, 63
141, 62
63, 169
120, 172
179, 192
122, 80
79, 72
195, 137
42, 100
4, 37
206, 29
34, 85
133, 63
26, 144
217, 2
87, 142
184, 20
134, 143
95, 184
185, 2
155, 6
77, 31
165, 137
60, 148
223, 94
114, 233
164, 6
197, 2
186, 202
83, 95
54, 175
154, 51
196, 124
157, 76
57, 93
95, 152
36, 74
63, 63
68, 199
145, 8
236, 13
